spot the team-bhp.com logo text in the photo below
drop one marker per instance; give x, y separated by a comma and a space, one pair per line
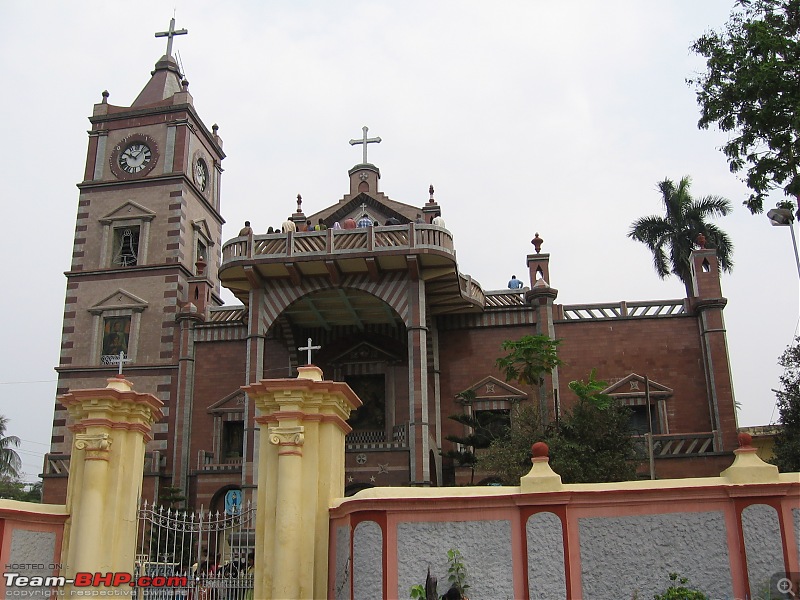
94, 580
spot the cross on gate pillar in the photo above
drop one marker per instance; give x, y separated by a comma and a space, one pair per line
301, 459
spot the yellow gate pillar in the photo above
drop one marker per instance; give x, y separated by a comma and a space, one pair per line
111, 426
301, 469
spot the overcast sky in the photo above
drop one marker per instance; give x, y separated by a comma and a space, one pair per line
526, 116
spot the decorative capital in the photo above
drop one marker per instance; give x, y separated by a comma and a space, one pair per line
288, 439
97, 446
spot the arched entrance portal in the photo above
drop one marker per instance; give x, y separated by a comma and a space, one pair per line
363, 342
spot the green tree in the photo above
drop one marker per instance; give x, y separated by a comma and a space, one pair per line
509, 457
751, 90
14, 489
671, 238
590, 443
10, 462
787, 442
484, 427
677, 590
593, 442
529, 359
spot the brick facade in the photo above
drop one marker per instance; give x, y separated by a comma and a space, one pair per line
393, 312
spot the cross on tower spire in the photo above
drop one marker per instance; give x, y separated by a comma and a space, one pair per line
364, 140
309, 348
171, 33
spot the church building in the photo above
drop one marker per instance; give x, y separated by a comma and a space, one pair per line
384, 306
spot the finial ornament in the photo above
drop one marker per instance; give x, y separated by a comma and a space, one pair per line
430, 191
105, 95
537, 243
299, 202
171, 33
365, 140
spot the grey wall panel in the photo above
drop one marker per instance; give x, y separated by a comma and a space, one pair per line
35, 549
367, 560
546, 574
762, 546
341, 582
623, 556
486, 546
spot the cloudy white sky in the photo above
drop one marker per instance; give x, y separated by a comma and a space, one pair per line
526, 116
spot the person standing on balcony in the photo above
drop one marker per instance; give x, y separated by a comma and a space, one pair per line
515, 283
288, 225
364, 221
246, 230
320, 226
349, 223
419, 219
438, 220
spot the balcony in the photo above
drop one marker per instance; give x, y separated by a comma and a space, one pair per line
376, 440
423, 251
207, 461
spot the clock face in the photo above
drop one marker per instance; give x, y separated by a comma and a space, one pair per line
135, 158
201, 174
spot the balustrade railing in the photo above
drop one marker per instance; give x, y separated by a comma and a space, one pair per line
624, 310
376, 439
206, 461
678, 444
332, 241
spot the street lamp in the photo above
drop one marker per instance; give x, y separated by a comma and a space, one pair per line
780, 217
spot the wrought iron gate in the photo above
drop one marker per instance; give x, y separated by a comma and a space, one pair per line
212, 551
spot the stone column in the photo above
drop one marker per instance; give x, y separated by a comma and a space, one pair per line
419, 426
541, 296
111, 427
301, 469
708, 304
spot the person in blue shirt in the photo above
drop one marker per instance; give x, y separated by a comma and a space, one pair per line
515, 283
364, 221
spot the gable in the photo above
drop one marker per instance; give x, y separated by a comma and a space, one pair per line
633, 386
129, 210
118, 300
201, 226
365, 352
375, 209
490, 389
232, 403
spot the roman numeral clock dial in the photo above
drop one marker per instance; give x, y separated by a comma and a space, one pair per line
134, 156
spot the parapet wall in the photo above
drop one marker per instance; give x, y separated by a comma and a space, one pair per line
574, 541
31, 536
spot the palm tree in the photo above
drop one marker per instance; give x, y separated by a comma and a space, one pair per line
10, 462
672, 237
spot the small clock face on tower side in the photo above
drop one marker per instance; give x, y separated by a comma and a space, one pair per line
135, 158
201, 174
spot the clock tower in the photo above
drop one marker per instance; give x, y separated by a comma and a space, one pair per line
146, 254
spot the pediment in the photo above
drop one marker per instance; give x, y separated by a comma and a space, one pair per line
363, 202
633, 386
129, 210
233, 402
492, 388
201, 226
117, 301
365, 352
